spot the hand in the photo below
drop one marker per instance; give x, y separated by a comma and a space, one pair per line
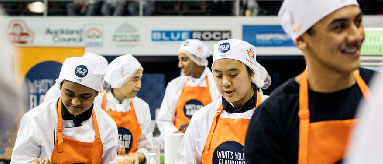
42, 161
121, 150
128, 159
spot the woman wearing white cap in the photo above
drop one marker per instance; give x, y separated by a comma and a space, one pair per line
217, 131
189, 92
70, 129
309, 118
131, 114
97, 60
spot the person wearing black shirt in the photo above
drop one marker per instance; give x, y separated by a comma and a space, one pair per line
309, 118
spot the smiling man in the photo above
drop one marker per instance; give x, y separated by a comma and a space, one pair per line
189, 92
308, 119
68, 129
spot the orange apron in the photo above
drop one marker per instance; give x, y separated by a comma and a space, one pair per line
324, 141
228, 139
129, 130
69, 151
191, 100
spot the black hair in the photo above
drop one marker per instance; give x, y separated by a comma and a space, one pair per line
106, 86
249, 72
310, 31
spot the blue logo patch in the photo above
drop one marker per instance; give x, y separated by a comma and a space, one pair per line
224, 47
191, 107
125, 138
81, 71
229, 152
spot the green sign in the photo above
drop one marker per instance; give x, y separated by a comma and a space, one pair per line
373, 42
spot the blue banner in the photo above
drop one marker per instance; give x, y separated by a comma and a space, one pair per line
266, 36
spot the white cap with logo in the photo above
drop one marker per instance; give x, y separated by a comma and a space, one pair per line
79, 70
97, 60
245, 53
297, 16
196, 51
121, 69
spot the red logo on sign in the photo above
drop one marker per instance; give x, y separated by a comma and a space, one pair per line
250, 52
19, 33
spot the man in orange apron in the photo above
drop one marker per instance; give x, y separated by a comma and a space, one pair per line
188, 93
69, 129
217, 132
131, 114
309, 118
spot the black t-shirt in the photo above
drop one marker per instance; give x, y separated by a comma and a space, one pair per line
272, 135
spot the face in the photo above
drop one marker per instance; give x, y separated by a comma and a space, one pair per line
187, 66
131, 87
233, 81
77, 98
336, 40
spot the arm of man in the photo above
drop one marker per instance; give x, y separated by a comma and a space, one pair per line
166, 116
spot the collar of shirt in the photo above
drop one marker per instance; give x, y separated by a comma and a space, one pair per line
123, 107
197, 81
77, 120
250, 104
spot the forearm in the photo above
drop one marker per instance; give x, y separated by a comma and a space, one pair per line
141, 157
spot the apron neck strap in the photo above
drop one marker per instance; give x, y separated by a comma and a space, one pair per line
60, 146
104, 101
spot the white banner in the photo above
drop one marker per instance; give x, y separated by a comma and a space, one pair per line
147, 35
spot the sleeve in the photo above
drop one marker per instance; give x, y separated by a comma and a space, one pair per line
110, 143
166, 116
263, 143
191, 145
147, 127
27, 146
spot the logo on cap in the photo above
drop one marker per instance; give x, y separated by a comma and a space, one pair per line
81, 71
251, 53
224, 47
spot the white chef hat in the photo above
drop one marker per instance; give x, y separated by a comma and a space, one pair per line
121, 69
81, 71
97, 60
245, 53
196, 51
297, 16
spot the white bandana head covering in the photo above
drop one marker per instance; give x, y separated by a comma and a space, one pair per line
97, 60
81, 71
297, 16
245, 53
196, 51
121, 69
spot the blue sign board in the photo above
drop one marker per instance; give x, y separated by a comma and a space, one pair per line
266, 36
176, 36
